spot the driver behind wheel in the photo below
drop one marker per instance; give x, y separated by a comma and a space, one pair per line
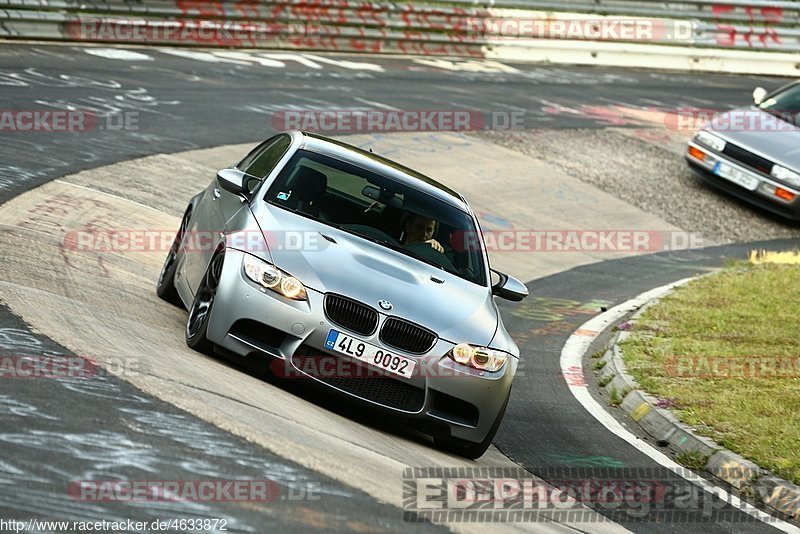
420, 229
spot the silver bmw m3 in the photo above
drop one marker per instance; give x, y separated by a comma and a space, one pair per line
355, 272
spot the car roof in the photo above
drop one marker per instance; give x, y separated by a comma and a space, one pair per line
384, 166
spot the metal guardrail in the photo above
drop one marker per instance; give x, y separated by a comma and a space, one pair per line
758, 11
662, 31
749, 37
283, 29
348, 12
448, 27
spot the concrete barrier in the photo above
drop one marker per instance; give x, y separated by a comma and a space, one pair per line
709, 37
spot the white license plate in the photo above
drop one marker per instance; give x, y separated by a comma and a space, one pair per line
376, 356
736, 176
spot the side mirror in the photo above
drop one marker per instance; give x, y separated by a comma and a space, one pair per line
509, 288
237, 182
759, 93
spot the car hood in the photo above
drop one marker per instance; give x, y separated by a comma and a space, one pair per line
457, 310
781, 145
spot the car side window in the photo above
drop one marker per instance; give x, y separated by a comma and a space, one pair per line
263, 159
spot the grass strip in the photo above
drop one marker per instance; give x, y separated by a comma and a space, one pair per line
724, 349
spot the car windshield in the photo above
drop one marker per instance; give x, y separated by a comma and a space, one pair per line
785, 105
382, 210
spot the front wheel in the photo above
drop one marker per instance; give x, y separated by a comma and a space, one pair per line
200, 310
165, 288
468, 449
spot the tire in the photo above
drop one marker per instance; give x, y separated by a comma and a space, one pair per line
200, 310
469, 449
165, 288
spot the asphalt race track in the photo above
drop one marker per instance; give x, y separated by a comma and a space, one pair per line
185, 103
180, 416
551, 435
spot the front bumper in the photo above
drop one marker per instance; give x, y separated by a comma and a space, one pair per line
765, 193
444, 397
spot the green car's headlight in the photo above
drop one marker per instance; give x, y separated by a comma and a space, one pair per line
711, 140
482, 358
782, 173
270, 277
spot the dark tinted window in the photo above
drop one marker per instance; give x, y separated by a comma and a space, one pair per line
381, 210
785, 104
263, 159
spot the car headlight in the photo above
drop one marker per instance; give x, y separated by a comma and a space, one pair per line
270, 277
710, 140
785, 175
482, 358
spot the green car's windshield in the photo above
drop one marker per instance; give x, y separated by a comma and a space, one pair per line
382, 210
785, 105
